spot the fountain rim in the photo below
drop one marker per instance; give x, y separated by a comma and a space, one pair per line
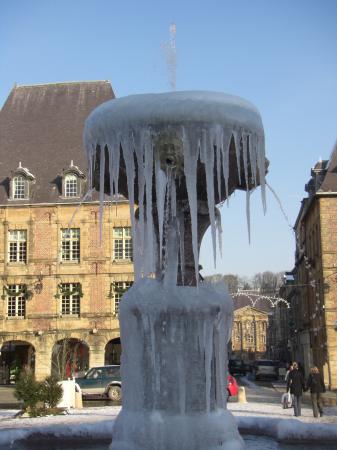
172, 109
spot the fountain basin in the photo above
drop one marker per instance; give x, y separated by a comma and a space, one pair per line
251, 441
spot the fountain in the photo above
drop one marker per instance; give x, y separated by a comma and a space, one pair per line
175, 155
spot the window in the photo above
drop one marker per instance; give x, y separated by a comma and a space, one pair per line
70, 186
70, 244
119, 287
122, 243
249, 338
16, 300
70, 298
20, 190
17, 246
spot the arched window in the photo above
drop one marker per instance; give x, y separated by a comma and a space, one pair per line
70, 186
20, 188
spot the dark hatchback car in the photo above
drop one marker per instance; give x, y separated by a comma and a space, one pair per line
237, 366
104, 381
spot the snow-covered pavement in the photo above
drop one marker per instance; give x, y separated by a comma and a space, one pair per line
253, 418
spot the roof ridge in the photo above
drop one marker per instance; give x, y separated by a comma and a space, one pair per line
60, 83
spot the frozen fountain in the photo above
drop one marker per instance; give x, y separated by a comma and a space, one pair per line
175, 156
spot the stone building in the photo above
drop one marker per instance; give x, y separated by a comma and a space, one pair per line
249, 333
313, 291
60, 282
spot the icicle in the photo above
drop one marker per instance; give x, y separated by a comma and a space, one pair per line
191, 153
91, 153
218, 143
115, 159
83, 199
161, 182
181, 228
130, 174
171, 255
248, 212
173, 196
139, 151
245, 159
137, 251
252, 156
208, 352
219, 229
262, 170
207, 150
149, 260
238, 152
226, 142
181, 371
101, 191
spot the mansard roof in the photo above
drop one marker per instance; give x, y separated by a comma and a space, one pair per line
329, 183
41, 127
261, 304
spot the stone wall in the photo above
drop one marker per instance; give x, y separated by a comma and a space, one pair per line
44, 324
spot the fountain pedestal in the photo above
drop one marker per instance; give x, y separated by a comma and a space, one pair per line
174, 361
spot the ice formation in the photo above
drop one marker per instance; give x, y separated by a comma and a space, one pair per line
175, 156
174, 364
162, 139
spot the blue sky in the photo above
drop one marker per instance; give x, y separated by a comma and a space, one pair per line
280, 55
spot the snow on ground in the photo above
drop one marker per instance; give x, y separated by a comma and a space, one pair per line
252, 418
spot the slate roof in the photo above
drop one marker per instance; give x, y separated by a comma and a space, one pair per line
260, 304
41, 127
329, 183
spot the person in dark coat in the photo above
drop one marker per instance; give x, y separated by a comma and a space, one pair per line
317, 387
296, 386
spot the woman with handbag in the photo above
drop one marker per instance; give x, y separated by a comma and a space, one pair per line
296, 386
317, 387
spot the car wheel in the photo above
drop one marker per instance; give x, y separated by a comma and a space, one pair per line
115, 393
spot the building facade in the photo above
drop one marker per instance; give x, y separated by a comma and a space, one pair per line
249, 333
313, 291
63, 269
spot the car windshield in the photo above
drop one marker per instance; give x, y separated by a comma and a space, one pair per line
94, 373
111, 372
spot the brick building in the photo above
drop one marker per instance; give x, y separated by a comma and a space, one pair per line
313, 290
60, 283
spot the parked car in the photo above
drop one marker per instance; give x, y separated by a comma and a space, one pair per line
265, 368
104, 381
232, 386
237, 366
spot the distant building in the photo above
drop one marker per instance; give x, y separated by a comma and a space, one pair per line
271, 312
313, 291
60, 284
249, 333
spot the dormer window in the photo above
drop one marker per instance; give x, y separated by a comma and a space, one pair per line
20, 188
73, 182
70, 186
20, 185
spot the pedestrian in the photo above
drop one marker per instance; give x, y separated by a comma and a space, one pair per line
296, 386
301, 369
290, 368
317, 387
